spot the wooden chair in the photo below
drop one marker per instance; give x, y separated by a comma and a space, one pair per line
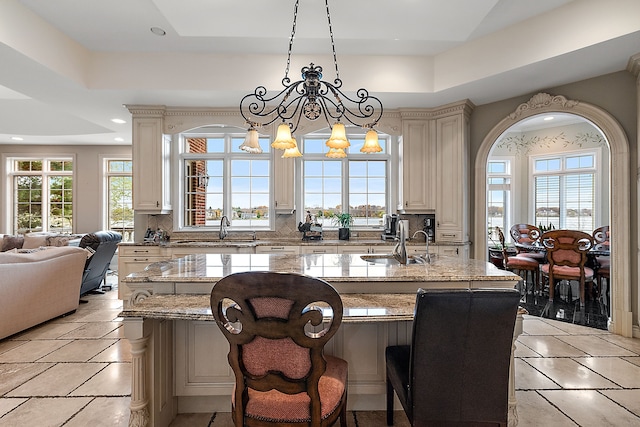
520, 264
527, 234
567, 255
276, 325
456, 370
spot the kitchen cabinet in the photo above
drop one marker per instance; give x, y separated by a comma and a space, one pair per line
284, 184
435, 168
278, 249
319, 249
354, 249
452, 206
151, 151
418, 166
132, 259
458, 251
180, 252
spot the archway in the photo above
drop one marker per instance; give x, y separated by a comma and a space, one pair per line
621, 314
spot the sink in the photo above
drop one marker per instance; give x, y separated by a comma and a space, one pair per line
388, 259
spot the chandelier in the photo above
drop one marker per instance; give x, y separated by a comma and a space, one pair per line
312, 98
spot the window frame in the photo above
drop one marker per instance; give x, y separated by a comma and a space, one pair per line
227, 156
10, 212
563, 173
388, 156
106, 174
509, 204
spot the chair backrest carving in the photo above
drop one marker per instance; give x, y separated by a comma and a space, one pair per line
567, 247
524, 233
601, 238
277, 325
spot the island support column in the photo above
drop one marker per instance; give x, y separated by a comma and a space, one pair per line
152, 400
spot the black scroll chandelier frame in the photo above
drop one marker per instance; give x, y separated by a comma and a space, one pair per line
310, 97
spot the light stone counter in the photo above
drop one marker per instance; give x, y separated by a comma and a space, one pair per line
356, 308
331, 267
179, 356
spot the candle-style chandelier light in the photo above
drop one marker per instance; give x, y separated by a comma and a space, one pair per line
312, 98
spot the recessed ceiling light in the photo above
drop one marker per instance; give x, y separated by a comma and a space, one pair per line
546, 119
119, 121
158, 31
118, 139
17, 138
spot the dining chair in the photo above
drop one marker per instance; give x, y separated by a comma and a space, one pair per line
520, 264
277, 325
602, 263
567, 252
456, 370
527, 234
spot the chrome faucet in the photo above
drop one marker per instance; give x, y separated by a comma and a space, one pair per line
224, 223
426, 240
400, 250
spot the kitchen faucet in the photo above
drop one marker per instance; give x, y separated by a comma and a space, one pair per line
224, 223
426, 240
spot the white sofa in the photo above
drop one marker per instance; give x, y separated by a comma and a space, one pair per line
38, 286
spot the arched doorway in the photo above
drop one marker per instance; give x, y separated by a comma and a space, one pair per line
621, 314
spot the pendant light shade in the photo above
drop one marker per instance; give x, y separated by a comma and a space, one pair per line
292, 152
251, 142
338, 138
336, 153
371, 144
283, 139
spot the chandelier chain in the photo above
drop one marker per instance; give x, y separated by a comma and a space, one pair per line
293, 35
333, 46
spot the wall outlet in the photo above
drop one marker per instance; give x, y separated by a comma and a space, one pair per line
354, 234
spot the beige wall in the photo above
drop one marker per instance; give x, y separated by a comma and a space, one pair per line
88, 179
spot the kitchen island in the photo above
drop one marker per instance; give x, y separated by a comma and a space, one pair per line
179, 357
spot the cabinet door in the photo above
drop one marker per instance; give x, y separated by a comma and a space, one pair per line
418, 166
151, 173
284, 184
132, 262
354, 249
320, 249
452, 206
294, 250
382, 249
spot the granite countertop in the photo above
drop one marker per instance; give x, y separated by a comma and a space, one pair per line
357, 307
209, 268
236, 243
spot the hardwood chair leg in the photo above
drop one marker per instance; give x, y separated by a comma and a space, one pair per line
389, 403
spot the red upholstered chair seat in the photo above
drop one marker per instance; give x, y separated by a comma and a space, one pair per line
274, 406
538, 256
568, 273
521, 263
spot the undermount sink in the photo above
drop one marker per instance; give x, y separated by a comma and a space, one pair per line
388, 259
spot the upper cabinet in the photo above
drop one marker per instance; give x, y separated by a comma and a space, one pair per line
284, 184
452, 198
151, 164
418, 166
435, 167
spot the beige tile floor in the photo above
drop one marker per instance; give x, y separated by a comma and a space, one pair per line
75, 371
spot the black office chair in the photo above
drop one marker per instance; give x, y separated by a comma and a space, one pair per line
104, 243
456, 371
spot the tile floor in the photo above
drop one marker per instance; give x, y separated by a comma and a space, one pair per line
75, 371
